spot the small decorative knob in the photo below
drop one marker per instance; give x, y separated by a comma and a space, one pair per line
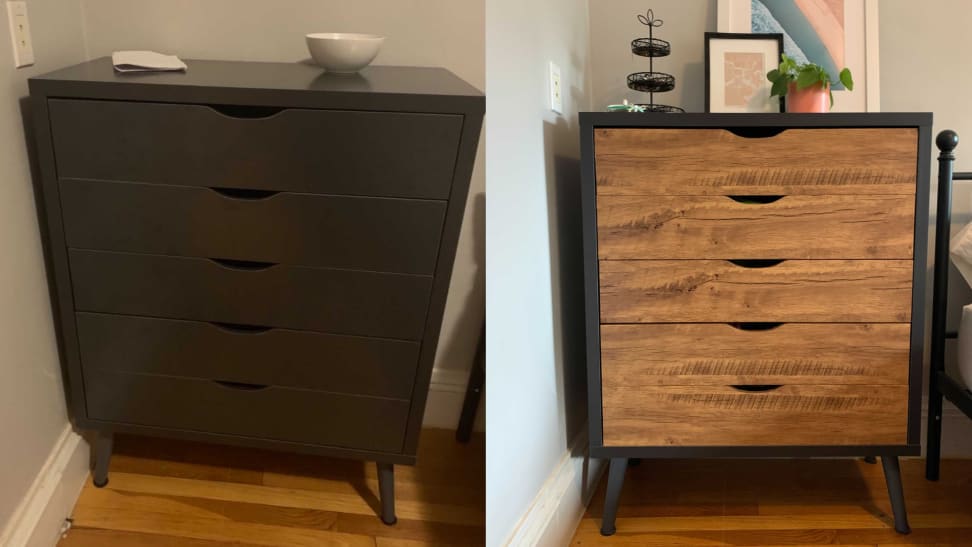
947, 140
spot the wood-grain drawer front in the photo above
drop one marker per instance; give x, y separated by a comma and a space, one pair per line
276, 357
721, 227
791, 415
299, 150
637, 161
301, 416
379, 234
719, 291
721, 354
335, 301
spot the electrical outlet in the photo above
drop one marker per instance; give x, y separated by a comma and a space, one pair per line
23, 47
556, 91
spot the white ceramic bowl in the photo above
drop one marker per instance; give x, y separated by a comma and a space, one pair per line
343, 52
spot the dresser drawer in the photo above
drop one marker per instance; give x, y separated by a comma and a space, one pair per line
336, 301
718, 291
300, 416
754, 353
299, 150
836, 226
652, 161
791, 415
275, 357
380, 234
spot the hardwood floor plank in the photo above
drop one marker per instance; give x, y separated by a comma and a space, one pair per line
164, 492
750, 503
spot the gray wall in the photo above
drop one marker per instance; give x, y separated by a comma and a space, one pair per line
32, 412
534, 369
614, 24
427, 32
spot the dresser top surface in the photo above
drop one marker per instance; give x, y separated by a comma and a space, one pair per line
212, 80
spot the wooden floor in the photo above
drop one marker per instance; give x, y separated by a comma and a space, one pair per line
781, 502
165, 493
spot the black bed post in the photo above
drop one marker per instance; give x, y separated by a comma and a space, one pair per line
947, 141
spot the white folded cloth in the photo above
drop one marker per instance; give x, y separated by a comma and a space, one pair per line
146, 61
961, 252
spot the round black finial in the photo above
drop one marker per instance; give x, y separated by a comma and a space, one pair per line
947, 140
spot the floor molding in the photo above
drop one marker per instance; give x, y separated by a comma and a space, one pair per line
38, 519
446, 394
558, 507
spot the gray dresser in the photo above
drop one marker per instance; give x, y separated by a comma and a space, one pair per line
253, 253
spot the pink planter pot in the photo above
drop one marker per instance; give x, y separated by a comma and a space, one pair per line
815, 98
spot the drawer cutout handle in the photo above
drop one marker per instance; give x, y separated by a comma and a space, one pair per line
755, 200
752, 326
240, 386
244, 193
758, 263
756, 388
755, 132
243, 112
238, 328
243, 265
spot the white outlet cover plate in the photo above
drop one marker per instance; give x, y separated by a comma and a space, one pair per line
23, 47
556, 89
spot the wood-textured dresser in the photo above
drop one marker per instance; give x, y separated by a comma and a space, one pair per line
254, 253
754, 286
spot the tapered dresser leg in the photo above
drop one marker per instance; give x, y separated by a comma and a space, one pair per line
613, 495
102, 454
386, 489
892, 475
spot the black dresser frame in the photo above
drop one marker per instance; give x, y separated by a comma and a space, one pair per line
755, 125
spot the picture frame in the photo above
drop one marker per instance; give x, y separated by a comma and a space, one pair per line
859, 21
735, 72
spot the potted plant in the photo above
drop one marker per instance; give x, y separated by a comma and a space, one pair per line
806, 86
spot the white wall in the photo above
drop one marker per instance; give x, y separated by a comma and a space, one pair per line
443, 33
535, 366
614, 24
32, 410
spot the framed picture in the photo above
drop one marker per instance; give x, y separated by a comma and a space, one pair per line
735, 71
833, 34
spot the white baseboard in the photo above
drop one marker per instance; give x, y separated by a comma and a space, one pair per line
557, 509
38, 519
444, 405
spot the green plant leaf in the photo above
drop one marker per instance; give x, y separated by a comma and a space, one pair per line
847, 79
807, 77
831, 98
773, 75
779, 87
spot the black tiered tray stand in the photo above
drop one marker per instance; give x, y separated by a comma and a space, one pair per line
652, 82
940, 384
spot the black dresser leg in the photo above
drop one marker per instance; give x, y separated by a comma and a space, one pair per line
613, 495
386, 489
892, 475
102, 454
